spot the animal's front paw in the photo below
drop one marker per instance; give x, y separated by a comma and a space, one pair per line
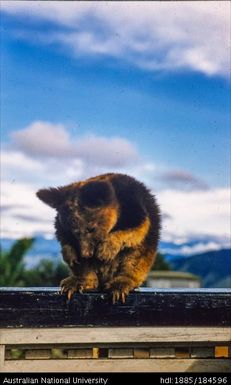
73, 284
69, 255
70, 285
119, 288
107, 250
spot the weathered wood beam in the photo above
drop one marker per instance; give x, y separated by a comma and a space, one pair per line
46, 307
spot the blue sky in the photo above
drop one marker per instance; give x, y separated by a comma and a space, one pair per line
109, 85
176, 119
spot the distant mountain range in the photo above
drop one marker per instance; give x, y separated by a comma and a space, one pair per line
214, 267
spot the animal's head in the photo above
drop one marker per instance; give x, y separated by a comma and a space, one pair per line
88, 211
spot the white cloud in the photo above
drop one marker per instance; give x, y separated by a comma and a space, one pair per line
198, 248
46, 140
196, 213
22, 204
12, 159
152, 35
17, 166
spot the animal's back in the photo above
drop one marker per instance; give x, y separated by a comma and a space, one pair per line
137, 233
137, 202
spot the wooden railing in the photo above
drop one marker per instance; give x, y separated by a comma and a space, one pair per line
155, 330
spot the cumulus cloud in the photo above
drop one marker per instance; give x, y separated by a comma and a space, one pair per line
19, 167
18, 158
44, 154
196, 213
182, 180
155, 36
21, 198
43, 139
198, 248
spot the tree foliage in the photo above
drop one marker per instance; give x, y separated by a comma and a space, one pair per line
12, 266
161, 263
46, 273
14, 272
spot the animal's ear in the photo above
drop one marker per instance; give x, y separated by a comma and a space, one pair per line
53, 197
96, 194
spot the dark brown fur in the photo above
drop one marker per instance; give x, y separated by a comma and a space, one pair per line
108, 227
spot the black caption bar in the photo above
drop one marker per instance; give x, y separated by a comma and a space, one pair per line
113, 378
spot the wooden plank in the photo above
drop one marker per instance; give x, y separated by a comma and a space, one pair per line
162, 353
43, 307
37, 354
141, 353
202, 352
2, 355
115, 335
120, 353
119, 365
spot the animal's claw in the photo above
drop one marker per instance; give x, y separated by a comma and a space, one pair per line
123, 297
73, 284
70, 294
81, 289
70, 291
118, 295
62, 290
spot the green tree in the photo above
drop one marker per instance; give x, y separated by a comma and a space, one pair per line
161, 263
12, 266
13, 270
46, 273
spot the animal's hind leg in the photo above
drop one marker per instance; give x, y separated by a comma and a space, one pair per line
131, 274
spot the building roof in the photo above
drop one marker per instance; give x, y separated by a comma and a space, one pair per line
173, 275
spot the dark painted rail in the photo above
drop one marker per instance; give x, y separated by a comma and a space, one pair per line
46, 307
